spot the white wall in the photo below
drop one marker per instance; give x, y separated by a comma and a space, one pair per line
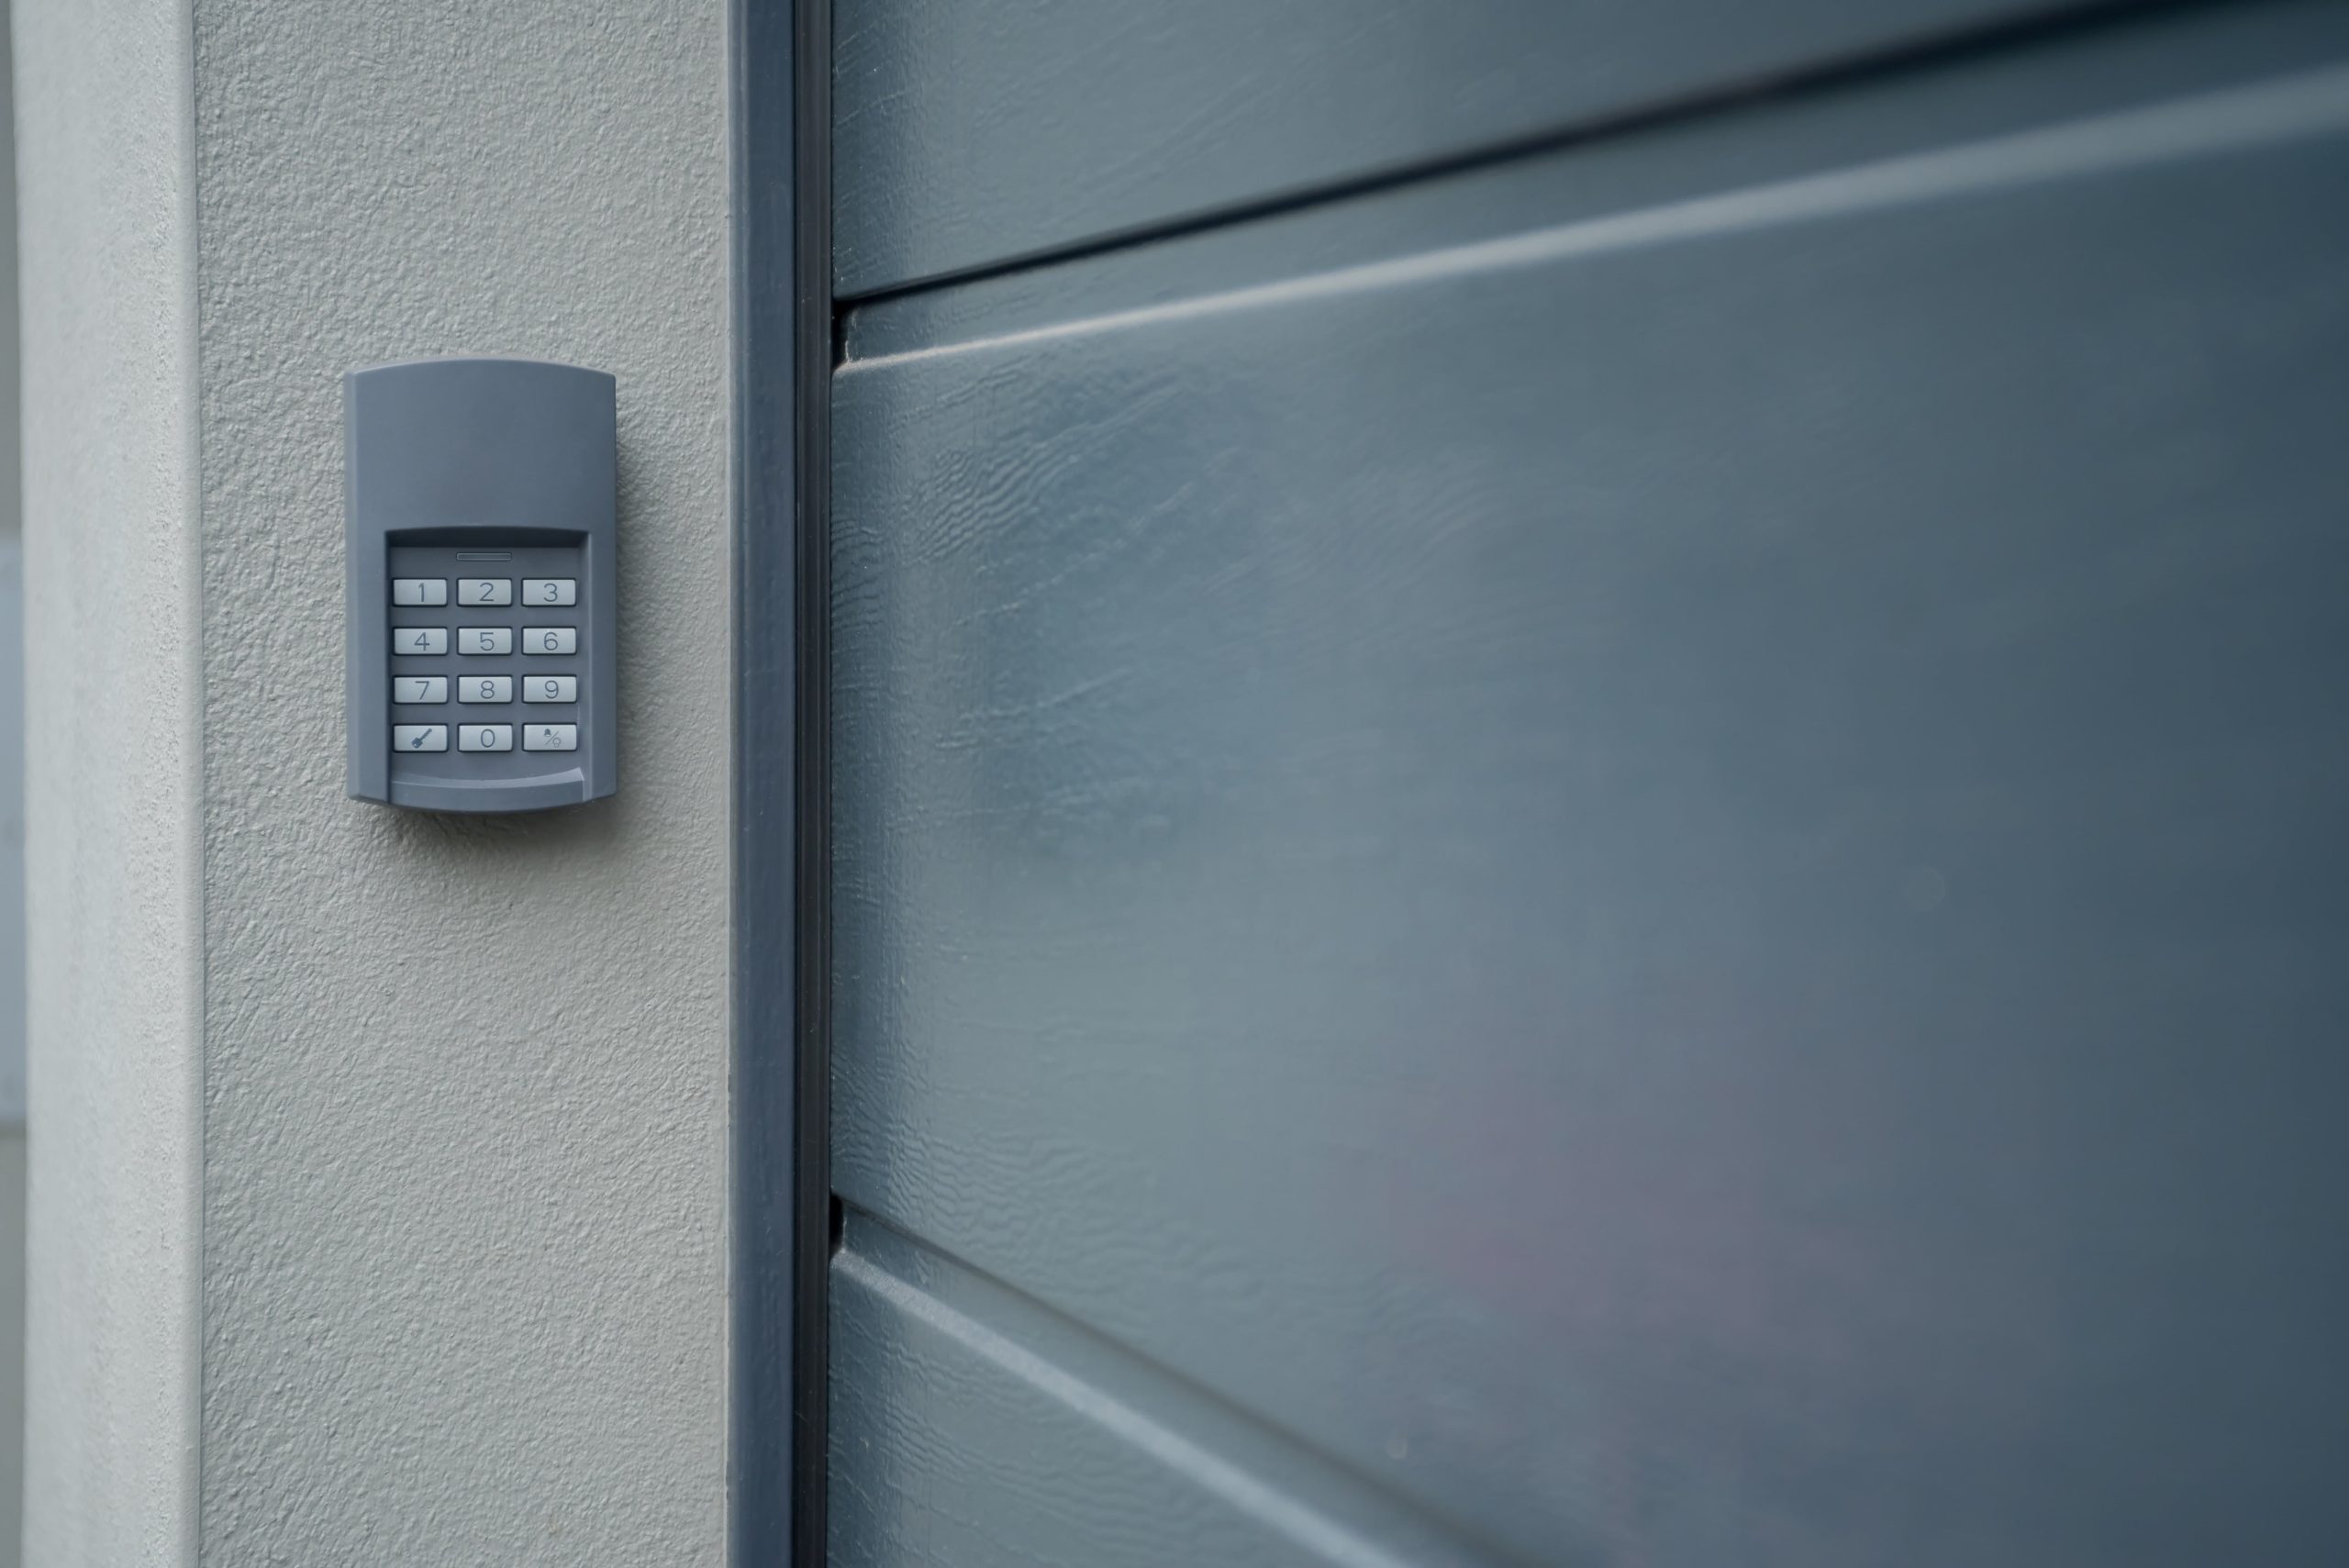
460, 1274
105, 239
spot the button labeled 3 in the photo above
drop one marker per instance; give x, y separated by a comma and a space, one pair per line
549, 737
560, 591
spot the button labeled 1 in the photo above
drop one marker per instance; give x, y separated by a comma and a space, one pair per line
550, 688
420, 591
558, 591
485, 738
549, 737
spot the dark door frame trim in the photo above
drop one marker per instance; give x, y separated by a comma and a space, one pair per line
780, 1218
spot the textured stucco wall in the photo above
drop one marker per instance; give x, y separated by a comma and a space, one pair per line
401, 1140
464, 1080
113, 675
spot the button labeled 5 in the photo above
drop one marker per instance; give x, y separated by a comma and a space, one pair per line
486, 688
485, 591
420, 688
486, 639
549, 639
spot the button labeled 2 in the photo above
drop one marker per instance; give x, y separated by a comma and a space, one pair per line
473, 590
550, 688
486, 688
549, 737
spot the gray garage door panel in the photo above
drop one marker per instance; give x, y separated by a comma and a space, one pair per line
1678, 886
970, 132
972, 1428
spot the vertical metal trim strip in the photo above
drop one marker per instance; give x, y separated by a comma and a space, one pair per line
780, 1181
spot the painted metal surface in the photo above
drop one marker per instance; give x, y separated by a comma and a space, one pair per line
971, 133
1660, 885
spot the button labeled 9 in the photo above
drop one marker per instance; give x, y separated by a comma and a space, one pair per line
550, 688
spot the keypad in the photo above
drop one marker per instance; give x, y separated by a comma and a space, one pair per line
496, 633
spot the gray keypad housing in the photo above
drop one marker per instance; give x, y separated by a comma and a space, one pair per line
458, 472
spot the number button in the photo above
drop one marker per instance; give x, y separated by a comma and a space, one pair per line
549, 639
415, 640
485, 738
486, 639
423, 592
559, 590
419, 737
486, 688
549, 737
478, 591
550, 688
420, 688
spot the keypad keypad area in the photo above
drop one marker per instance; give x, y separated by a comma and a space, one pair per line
486, 655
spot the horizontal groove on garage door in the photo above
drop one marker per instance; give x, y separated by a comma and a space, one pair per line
971, 133
1118, 1459
1634, 844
